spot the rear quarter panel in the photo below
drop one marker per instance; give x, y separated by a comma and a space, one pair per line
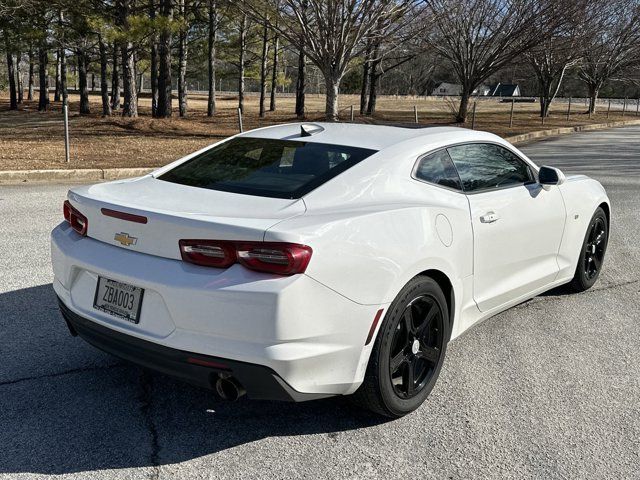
370, 251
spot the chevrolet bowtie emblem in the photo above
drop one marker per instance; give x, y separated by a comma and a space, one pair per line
125, 239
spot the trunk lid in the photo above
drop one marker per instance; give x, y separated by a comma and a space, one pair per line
176, 212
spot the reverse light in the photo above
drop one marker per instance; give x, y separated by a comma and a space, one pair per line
77, 220
209, 253
272, 257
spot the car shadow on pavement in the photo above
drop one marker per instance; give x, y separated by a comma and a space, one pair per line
66, 407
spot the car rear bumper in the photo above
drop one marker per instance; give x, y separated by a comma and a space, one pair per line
311, 337
260, 382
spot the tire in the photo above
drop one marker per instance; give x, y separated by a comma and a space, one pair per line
592, 253
409, 351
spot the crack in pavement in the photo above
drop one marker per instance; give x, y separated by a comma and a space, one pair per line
145, 398
60, 374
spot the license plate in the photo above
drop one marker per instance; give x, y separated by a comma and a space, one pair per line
118, 299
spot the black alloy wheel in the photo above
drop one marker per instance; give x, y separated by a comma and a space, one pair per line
416, 346
592, 253
408, 352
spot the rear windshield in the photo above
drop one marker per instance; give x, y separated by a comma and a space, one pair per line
266, 167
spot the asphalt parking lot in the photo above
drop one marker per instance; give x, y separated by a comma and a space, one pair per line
549, 389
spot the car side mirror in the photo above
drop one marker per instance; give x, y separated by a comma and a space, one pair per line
550, 176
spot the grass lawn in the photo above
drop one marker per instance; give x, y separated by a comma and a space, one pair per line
33, 140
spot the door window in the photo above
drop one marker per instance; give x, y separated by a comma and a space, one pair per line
484, 166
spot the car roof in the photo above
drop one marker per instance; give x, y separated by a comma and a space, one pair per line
375, 137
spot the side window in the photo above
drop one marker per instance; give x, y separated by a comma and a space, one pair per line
483, 166
437, 168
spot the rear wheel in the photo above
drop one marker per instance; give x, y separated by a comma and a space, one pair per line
592, 253
409, 351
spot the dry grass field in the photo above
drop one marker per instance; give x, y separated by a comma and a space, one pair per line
32, 140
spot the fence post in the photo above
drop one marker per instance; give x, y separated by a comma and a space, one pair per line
240, 119
569, 110
511, 115
65, 110
352, 113
415, 113
473, 116
608, 109
624, 107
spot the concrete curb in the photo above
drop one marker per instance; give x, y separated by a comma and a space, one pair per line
88, 175
555, 132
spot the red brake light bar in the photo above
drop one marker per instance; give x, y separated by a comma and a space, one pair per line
129, 217
77, 220
272, 257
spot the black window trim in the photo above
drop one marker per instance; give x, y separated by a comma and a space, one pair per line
533, 169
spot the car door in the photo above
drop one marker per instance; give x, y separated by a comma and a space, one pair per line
517, 223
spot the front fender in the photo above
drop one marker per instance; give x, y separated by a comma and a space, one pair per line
581, 195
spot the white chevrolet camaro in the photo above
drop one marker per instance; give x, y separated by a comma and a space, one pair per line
308, 260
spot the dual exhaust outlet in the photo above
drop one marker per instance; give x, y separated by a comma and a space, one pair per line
228, 388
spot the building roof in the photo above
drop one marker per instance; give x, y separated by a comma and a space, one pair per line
504, 89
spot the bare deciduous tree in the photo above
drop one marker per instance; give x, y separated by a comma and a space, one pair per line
550, 59
480, 37
331, 31
613, 46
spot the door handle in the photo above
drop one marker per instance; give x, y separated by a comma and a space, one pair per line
489, 217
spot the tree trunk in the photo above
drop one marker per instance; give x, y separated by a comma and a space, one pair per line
263, 70
594, 91
104, 88
93, 77
211, 60
56, 92
81, 55
31, 75
364, 92
154, 62
274, 74
243, 46
182, 61
13, 98
331, 105
461, 117
300, 84
130, 94
129, 91
115, 80
43, 100
63, 78
374, 79
20, 86
164, 68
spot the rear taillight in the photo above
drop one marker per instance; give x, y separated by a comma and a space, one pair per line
271, 257
209, 253
77, 220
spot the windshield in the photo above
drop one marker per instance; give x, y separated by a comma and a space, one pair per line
266, 167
